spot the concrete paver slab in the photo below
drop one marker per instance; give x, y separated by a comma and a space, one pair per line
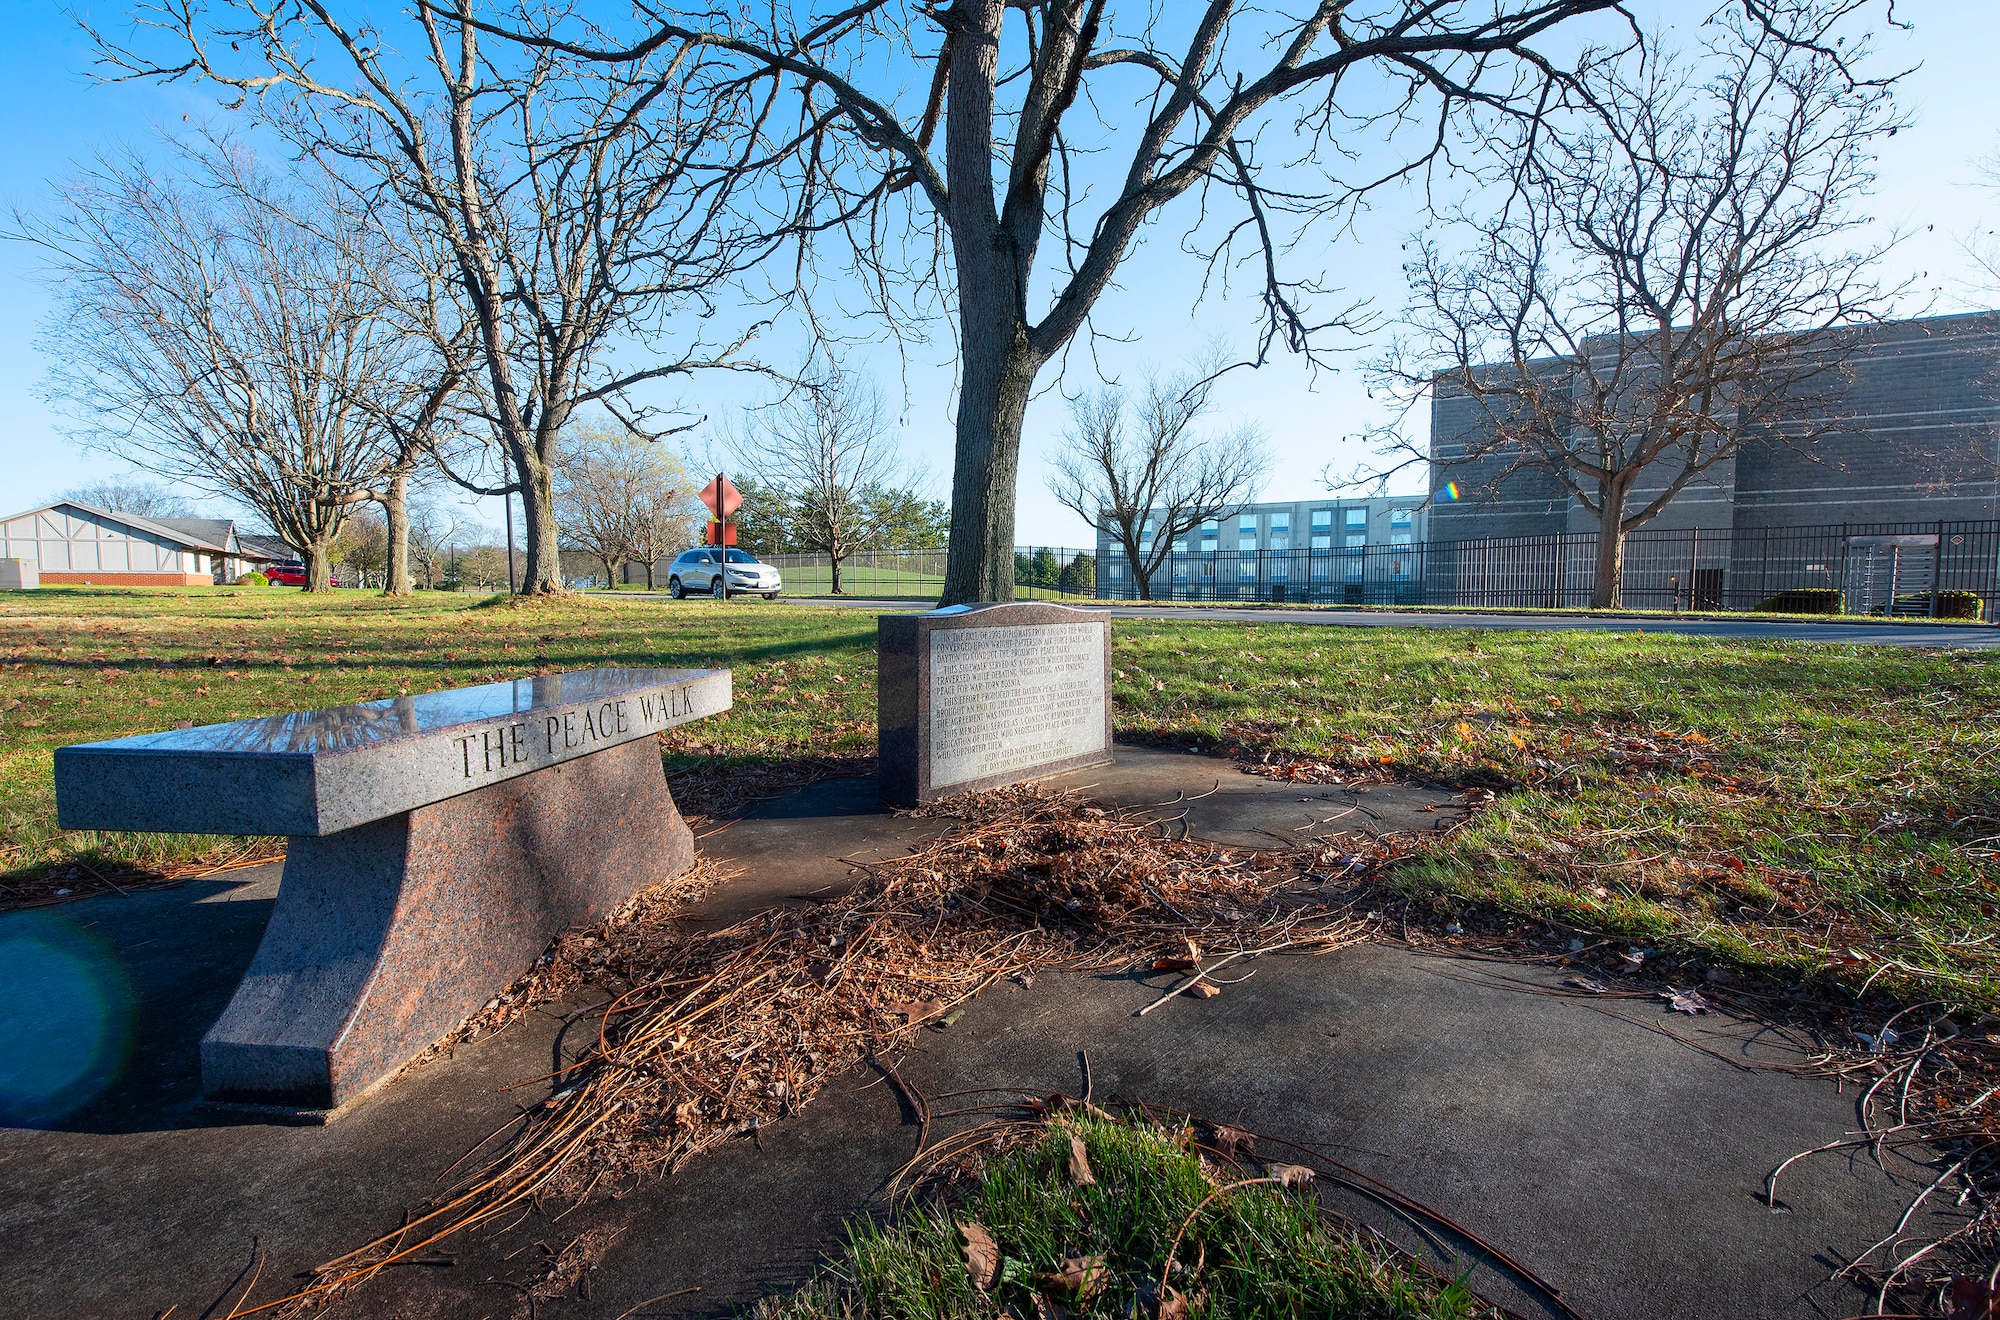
1617, 1161
1210, 798
1620, 1164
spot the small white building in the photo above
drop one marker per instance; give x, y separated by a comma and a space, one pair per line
71, 543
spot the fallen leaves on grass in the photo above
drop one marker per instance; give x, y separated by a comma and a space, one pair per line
1081, 1275
982, 1256
1079, 1163
1291, 1175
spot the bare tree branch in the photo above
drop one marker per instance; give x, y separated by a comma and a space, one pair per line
1152, 485
1677, 280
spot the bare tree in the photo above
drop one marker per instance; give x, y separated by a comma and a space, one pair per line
594, 508
432, 532
1665, 287
827, 450
424, 405
622, 498
203, 331
1152, 483
148, 499
1983, 244
577, 209
668, 517
1034, 147
363, 545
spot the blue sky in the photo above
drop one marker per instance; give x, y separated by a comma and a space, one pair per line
52, 114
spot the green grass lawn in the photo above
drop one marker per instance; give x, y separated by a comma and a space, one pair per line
1231, 1243
1810, 809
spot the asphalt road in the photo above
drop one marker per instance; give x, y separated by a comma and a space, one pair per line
1871, 634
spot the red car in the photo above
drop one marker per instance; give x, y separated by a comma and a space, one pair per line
288, 573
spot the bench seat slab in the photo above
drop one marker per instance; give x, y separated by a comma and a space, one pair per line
387, 935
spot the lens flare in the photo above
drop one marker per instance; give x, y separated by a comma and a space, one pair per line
1450, 491
65, 1021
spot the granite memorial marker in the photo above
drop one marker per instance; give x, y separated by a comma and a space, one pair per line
437, 844
977, 696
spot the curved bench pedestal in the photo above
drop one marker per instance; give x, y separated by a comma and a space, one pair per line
387, 935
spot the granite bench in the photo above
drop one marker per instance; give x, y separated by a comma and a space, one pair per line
437, 844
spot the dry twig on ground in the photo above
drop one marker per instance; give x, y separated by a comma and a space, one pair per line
1932, 1092
716, 1035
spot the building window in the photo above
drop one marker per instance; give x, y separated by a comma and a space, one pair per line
1180, 571
1399, 518
1356, 542
1281, 569
1322, 529
1116, 572
1246, 532
1209, 533
1180, 546
1281, 531
1399, 538
1246, 570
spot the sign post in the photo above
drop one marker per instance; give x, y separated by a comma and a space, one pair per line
723, 500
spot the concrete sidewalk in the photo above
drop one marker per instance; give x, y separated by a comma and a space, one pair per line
1614, 1159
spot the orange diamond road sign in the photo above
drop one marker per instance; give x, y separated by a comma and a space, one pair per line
721, 498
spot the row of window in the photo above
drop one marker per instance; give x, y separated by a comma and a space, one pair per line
1354, 531
1274, 570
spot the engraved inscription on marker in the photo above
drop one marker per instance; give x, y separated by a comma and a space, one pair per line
1012, 697
572, 732
978, 696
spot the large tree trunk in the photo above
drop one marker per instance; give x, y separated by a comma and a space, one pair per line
319, 571
992, 263
1607, 579
649, 575
1142, 579
543, 574
999, 373
396, 514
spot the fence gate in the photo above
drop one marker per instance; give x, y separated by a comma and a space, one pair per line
1891, 574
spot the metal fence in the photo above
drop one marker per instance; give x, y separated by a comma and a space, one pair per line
1041, 572
1924, 569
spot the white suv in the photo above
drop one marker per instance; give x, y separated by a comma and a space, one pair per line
701, 570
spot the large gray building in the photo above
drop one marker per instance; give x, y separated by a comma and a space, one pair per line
1323, 549
1907, 482
1919, 417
